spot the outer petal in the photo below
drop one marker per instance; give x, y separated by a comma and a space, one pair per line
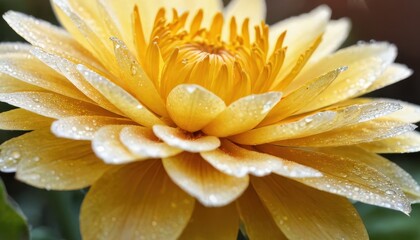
236, 161
335, 34
394, 73
258, 222
83, 127
302, 212
140, 202
255, 10
243, 114
59, 164
29, 69
20, 119
410, 187
370, 131
120, 98
68, 69
303, 127
212, 223
184, 140
408, 142
201, 180
108, 146
143, 142
41, 34
52, 105
192, 107
346, 177
301, 97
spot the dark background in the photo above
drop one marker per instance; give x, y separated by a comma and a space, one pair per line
54, 215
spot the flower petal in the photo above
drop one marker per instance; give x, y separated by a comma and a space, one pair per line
211, 187
212, 223
308, 125
410, 113
388, 168
255, 10
301, 97
137, 80
359, 133
335, 34
404, 143
184, 140
302, 212
301, 32
143, 142
42, 34
243, 114
352, 179
257, 220
192, 107
141, 202
120, 98
108, 146
58, 164
394, 73
29, 69
51, 104
69, 70
20, 119
236, 161
83, 127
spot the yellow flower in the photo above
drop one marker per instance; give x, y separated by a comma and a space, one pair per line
188, 119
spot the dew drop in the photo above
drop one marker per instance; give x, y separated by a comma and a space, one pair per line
15, 155
390, 192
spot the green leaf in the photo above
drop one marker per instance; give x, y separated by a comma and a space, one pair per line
13, 224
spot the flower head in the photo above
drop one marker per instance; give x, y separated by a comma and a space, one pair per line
187, 119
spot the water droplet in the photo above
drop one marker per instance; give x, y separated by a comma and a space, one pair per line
15, 155
133, 69
185, 61
390, 192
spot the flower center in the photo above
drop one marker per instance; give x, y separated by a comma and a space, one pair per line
224, 59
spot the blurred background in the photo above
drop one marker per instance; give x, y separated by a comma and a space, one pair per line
54, 215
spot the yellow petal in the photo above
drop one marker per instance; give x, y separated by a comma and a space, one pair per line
212, 223
255, 10
42, 34
12, 85
410, 113
57, 163
211, 187
346, 177
301, 32
388, 168
29, 69
302, 212
125, 102
359, 133
136, 201
335, 34
107, 145
301, 97
394, 73
236, 161
257, 220
404, 143
81, 20
20, 119
192, 107
190, 142
243, 114
83, 127
11, 48
137, 80
69, 70
358, 77
303, 127
143, 142
51, 104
